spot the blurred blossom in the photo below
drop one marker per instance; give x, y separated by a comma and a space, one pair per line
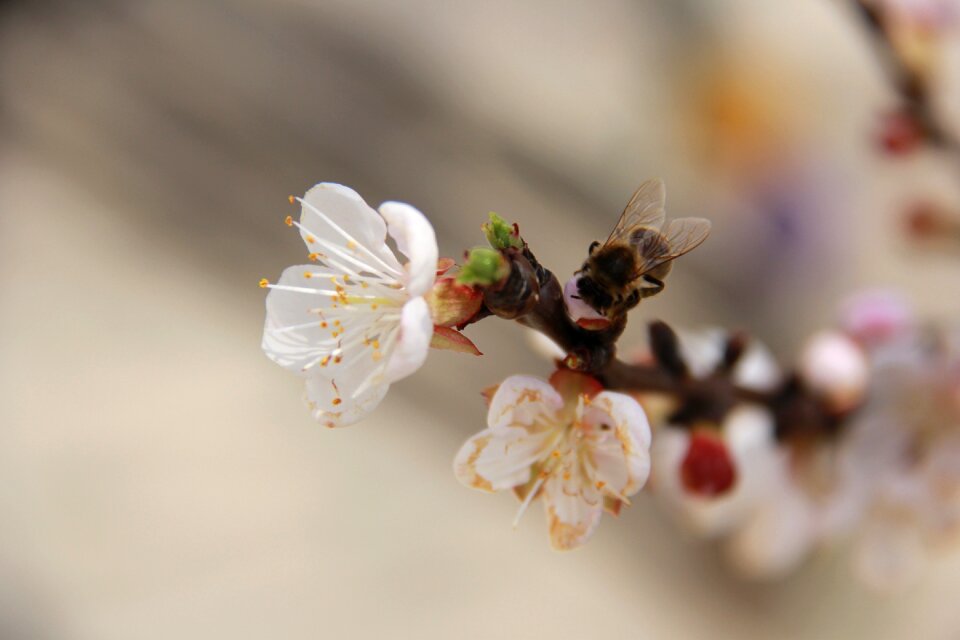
876, 316
748, 434
834, 367
745, 434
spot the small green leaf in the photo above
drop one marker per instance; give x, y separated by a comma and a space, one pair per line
484, 267
500, 234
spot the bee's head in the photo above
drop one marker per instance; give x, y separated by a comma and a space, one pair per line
585, 269
595, 295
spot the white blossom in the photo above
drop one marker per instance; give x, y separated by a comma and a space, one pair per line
355, 320
578, 448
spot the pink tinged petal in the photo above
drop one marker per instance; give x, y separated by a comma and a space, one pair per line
413, 341
620, 443
522, 401
494, 461
332, 403
572, 517
416, 240
337, 214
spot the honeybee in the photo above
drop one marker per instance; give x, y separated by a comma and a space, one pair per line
634, 261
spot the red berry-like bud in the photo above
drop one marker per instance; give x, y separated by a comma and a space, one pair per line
707, 470
899, 133
924, 220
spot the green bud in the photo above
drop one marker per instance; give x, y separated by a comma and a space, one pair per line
484, 267
500, 234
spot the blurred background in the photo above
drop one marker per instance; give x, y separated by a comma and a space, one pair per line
160, 478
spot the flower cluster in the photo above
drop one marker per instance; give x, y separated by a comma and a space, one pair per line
859, 440
887, 478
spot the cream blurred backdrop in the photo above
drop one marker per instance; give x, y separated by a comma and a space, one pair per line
160, 478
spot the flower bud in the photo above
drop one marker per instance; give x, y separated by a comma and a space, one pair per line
452, 303
500, 234
874, 317
707, 470
484, 267
835, 368
900, 133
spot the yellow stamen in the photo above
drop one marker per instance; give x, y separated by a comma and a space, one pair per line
288, 221
264, 283
291, 200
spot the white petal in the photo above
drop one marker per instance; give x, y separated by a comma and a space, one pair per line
416, 240
413, 342
339, 215
323, 394
493, 461
544, 346
702, 350
521, 401
776, 538
620, 453
298, 307
571, 517
757, 369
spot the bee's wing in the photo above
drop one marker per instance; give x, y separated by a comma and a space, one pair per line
645, 209
679, 237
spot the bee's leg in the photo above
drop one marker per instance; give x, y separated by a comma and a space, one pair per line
654, 286
593, 247
633, 299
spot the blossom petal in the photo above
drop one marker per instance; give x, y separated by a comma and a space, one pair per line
571, 517
522, 401
332, 402
302, 327
620, 452
498, 460
337, 214
416, 240
413, 342
776, 538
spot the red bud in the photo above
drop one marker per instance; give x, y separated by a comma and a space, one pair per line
900, 133
707, 470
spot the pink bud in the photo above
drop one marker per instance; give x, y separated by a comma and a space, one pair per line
835, 368
900, 133
876, 316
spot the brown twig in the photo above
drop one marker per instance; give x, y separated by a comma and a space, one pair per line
910, 84
532, 296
